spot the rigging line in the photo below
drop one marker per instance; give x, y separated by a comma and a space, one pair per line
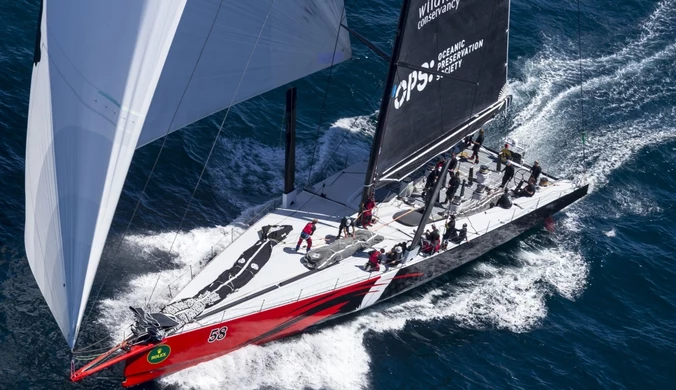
89, 347
220, 130
354, 122
157, 159
579, 57
326, 93
368, 43
266, 207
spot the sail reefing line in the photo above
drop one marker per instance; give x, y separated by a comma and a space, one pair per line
80, 142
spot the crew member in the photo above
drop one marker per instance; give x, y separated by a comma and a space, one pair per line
528, 191
346, 224
505, 200
367, 214
306, 234
462, 234
453, 186
432, 241
535, 171
431, 181
477, 145
453, 164
381, 256
509, 173
394, 256
432, 236
372, 264
450, 228
505, 154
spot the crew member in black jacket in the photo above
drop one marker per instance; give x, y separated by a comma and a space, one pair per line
509, 173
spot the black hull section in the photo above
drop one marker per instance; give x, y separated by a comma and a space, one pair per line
424, 271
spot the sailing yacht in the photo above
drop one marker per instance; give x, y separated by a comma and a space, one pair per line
109, 77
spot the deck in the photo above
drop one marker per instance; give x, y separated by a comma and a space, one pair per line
329, 201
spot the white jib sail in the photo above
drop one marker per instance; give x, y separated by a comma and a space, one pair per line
110, 76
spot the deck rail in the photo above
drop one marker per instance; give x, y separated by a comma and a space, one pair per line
522, 206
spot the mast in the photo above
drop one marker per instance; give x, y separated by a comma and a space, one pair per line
429, 206
290, 162
382, 114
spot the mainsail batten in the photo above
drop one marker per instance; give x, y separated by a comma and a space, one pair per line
98, 70
469, 42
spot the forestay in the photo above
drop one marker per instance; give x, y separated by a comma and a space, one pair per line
428, 112
109, 76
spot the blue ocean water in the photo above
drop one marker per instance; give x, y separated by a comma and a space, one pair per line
589, 306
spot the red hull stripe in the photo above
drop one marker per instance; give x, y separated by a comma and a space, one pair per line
413, 275
191, 348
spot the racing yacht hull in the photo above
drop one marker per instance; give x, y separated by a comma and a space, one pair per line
187, 349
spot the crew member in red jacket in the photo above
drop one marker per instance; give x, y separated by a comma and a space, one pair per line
306, 234
367, 214
372, 264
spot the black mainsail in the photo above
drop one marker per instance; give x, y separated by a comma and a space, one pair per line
447, 78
